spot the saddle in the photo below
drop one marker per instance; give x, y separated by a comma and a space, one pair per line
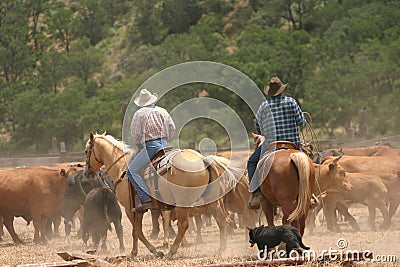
265, 161
282, 145
160, 164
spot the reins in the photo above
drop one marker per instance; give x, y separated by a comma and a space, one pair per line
91, 149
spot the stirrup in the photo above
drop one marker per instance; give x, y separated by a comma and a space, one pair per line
314, 201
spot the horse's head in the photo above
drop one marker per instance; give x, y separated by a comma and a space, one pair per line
93, 159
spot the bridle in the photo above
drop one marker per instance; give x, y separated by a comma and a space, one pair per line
89, 154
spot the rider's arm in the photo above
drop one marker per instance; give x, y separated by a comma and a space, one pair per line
298, 114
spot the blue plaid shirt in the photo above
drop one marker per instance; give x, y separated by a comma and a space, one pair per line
278, 118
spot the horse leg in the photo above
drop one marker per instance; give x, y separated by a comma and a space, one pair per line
136, 220
182, 215
154, 222
220, 217
199, 224
268, 210
166, 216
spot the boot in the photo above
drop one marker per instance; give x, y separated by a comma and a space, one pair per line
143, 207
254, 202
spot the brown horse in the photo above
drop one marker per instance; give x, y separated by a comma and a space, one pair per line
190, 171
289, 184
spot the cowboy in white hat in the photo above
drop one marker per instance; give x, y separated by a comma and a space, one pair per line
287, 116
152, 126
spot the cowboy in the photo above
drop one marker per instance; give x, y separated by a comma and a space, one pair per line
151, 126
277, 119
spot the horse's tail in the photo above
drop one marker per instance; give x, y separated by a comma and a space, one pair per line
226, 171
301, 161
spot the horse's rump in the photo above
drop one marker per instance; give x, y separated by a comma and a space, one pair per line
280, 172
183, 181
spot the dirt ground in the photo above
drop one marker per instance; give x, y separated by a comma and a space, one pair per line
383, 244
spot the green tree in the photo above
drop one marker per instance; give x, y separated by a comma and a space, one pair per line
94, 21
147, 27
53, 70
61, 25
178, 15
85, 60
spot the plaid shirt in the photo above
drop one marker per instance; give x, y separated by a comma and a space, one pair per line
277, 119
150, 123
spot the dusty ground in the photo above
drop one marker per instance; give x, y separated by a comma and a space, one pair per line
380, 243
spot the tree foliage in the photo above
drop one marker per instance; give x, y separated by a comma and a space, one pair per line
66, 66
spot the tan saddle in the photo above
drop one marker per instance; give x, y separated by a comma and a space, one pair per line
282, 145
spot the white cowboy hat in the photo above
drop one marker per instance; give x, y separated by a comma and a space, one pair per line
145, 98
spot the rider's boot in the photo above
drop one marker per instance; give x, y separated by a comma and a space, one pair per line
255, 198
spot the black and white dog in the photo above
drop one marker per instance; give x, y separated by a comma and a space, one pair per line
268, 237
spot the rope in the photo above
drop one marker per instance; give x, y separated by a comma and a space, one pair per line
314, 149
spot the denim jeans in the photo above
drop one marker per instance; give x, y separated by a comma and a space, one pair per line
141, 160
252, 165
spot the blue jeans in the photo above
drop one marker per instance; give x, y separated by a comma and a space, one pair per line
141, 160
252, 164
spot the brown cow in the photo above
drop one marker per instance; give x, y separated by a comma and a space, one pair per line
392, 183
367, 189
386, 152
369, 164
330, 178
33, 192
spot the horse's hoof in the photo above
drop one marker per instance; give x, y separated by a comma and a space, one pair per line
169, 256
159, 254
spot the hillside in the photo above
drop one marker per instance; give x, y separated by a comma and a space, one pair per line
67, 66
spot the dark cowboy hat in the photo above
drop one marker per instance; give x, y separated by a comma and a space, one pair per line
275, 87
145, 98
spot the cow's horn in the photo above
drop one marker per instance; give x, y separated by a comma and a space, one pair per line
335, 160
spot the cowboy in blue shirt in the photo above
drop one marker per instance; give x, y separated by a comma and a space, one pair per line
277, 119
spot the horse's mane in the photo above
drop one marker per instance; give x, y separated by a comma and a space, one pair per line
115, 142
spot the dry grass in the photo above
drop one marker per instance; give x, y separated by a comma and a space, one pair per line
238, 250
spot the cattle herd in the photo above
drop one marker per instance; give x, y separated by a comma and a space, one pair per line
368, 175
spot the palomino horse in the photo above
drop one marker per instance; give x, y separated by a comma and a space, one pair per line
288, 183
106, 150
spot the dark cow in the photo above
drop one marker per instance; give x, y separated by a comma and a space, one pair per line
78, 185
100, 210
